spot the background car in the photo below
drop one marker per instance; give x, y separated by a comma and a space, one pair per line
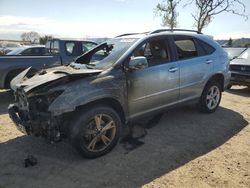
6, 47
29, 50
240, 70
234, 52
60, 52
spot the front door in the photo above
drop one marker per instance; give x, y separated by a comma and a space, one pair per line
155, 86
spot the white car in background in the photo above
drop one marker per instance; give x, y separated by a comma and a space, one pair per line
6, 47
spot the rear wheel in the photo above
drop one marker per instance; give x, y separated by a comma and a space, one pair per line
96, 131
210, 98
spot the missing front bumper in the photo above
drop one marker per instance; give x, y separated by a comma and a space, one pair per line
45, 125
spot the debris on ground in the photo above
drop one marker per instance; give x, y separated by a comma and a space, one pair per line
30, 160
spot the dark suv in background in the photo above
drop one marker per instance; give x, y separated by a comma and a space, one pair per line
89, 101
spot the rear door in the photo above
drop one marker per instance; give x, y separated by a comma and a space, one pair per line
195, 66
156, 86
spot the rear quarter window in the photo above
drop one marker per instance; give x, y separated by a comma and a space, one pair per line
206, 49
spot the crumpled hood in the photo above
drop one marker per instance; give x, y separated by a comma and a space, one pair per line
46, 76
240, 61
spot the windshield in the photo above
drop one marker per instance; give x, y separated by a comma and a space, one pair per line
15, 51
234, 52
245, 54
104, 59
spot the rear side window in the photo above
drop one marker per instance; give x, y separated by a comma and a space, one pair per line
71, 48
206, 48
185, 47
54, 47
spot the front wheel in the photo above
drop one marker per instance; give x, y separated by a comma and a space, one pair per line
210, 98
96, 131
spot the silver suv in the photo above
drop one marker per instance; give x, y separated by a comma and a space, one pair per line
89, 100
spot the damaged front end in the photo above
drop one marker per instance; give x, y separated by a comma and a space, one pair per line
31, 116
33, 97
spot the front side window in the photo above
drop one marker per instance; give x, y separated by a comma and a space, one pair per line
185, 47
156, 52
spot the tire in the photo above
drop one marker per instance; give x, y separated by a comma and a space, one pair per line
96, 131
210, 98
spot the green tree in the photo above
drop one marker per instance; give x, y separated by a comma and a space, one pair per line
45, 38
247, 45
230, 42
167, 10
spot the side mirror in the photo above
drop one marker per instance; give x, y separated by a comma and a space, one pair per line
139, 62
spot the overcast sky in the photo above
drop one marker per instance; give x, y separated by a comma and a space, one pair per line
104, 18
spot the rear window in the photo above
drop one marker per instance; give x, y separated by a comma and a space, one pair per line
53, 46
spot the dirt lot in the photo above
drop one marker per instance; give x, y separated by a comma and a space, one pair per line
184, 149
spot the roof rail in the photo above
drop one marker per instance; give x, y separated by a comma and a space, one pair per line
172, 30
127, 34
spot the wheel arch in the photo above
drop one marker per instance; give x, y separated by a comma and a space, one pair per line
219, 77
107, 101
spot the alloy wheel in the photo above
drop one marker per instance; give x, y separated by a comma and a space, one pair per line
213, 97
100, 133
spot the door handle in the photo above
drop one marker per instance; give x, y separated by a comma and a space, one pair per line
209, 61
173, 69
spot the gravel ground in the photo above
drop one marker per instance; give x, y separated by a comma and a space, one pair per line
184, 148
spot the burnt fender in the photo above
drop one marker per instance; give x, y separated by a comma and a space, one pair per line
69, 102
81, 94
